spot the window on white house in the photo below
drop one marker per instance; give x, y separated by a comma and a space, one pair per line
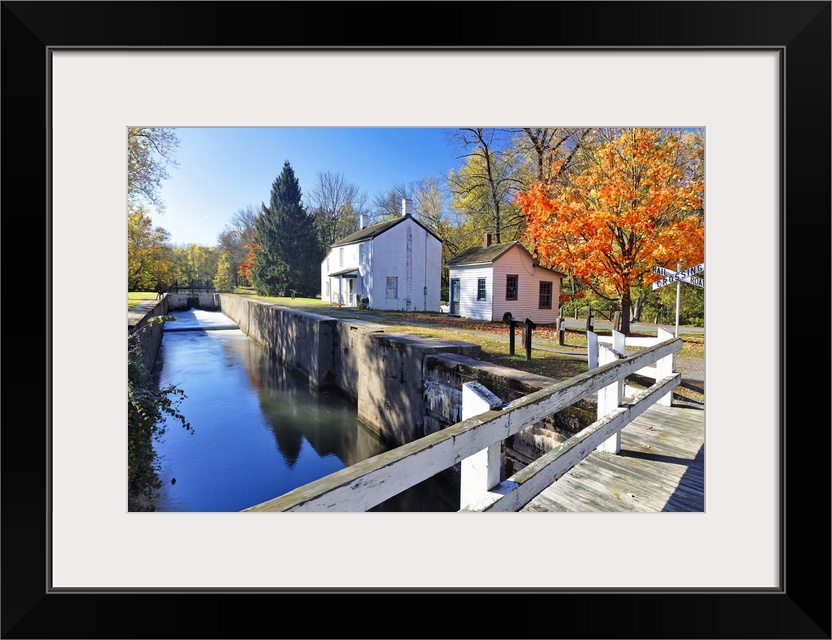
392, 287
361, 253
341, 257
545, 295
480, 288
511, 287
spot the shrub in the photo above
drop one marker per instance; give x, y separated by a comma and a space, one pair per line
147, 407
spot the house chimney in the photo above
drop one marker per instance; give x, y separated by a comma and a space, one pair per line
361, 221
407, 206
487, 240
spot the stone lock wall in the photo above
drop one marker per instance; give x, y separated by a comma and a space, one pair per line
179, 301
391, 394
147, 335
302, 341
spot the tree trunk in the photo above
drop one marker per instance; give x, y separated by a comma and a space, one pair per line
638, 307
625, 313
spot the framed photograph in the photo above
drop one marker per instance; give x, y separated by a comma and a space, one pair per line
754, 75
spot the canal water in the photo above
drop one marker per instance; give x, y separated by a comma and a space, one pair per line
259, 430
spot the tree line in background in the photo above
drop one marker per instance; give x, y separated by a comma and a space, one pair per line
601, 205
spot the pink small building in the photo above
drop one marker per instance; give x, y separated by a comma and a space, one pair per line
489, 281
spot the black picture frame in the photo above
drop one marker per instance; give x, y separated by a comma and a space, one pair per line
800, 31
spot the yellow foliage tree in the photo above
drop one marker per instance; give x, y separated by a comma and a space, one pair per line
149, 255
482, 190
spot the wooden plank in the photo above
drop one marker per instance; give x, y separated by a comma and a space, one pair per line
653, 485
590, 493
545, 505
660, 468
627, 494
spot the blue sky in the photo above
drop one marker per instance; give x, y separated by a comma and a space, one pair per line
223, 170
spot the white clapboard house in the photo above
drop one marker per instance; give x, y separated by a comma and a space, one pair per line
489, 281
395, 265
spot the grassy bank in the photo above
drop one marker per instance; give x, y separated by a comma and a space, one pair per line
137, 297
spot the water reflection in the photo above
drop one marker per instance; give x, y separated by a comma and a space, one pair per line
259, 430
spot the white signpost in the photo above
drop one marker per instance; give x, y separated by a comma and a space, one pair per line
679, 276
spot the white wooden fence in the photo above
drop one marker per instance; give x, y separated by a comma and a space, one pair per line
605, 349
474, 442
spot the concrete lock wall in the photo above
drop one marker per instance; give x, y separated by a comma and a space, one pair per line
391, 392
147, 335
303, 341
352, 359
180, 301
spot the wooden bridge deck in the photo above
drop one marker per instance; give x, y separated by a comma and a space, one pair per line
660, 467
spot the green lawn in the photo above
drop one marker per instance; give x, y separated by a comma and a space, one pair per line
136, 297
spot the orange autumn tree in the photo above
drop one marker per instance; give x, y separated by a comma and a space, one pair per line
634, 200
245, 267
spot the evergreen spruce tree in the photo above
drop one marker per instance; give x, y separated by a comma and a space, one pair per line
289, 255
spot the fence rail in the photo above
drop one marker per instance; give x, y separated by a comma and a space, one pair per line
486, 422
194, 286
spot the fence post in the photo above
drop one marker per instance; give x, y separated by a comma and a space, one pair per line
610, 397
527, 337
592, 350
481, 471
666, 366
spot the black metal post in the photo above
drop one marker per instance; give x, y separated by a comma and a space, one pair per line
527, 335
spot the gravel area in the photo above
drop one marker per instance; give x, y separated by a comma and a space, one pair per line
692, 370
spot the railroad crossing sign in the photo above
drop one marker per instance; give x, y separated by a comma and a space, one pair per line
679, 276
685, 275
